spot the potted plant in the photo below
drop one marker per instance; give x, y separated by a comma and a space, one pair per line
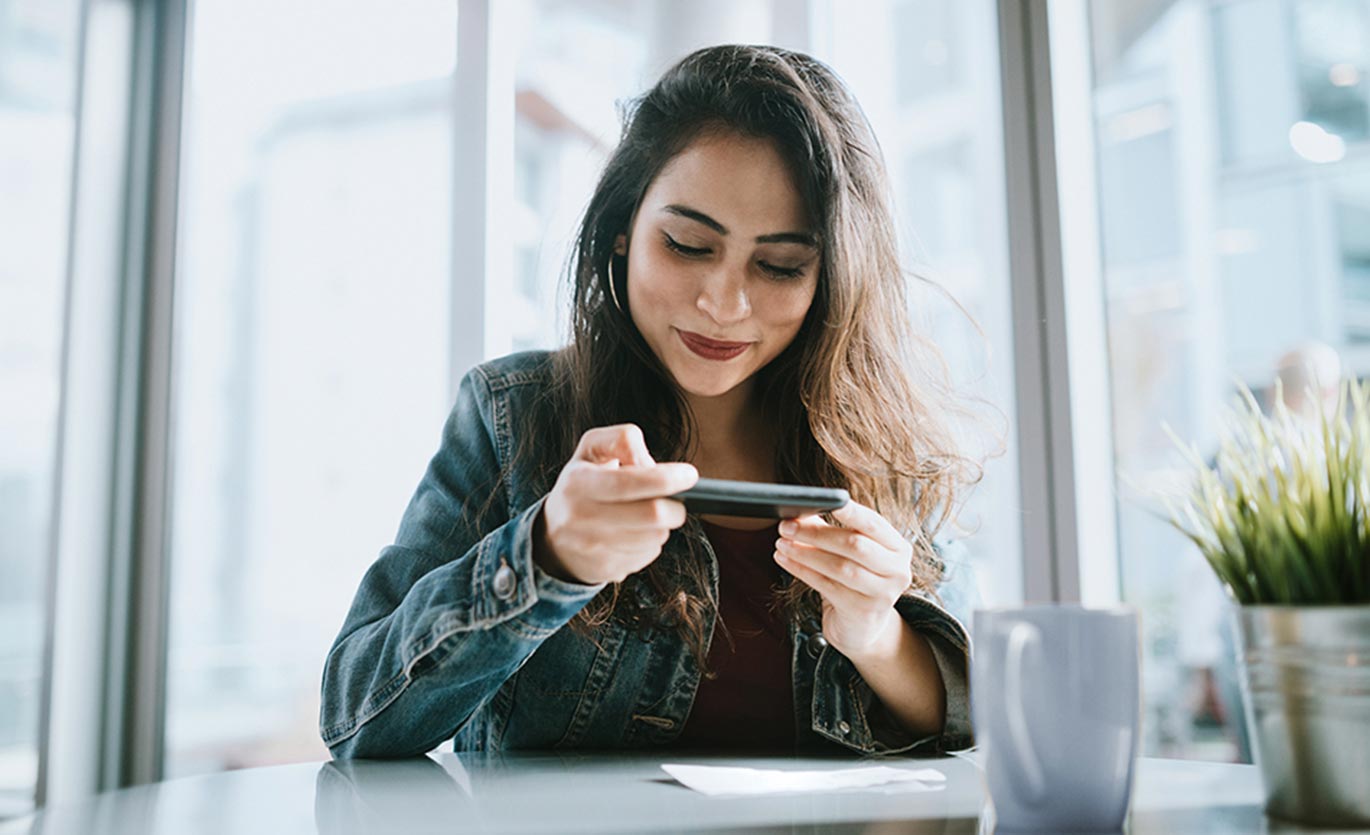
1282, 514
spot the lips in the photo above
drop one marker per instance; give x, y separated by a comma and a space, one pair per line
712, 348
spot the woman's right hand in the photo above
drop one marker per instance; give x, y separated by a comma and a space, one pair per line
608, 516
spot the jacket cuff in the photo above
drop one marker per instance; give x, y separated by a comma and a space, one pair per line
951, 649
510, 587
508, 590
952, 663
847, 711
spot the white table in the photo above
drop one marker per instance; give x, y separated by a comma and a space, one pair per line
607, 792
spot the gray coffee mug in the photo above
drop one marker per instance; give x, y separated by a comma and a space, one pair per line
1056, 696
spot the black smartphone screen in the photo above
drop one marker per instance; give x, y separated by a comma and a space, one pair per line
751, 498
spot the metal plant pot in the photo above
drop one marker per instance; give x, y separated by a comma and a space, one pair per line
1306, 688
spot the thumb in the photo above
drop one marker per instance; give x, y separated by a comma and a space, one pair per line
622, 444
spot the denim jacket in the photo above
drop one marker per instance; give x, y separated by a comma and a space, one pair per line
457, 633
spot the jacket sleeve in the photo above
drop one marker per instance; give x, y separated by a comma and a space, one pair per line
449, 611
847, 711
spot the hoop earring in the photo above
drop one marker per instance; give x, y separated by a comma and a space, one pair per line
613, 287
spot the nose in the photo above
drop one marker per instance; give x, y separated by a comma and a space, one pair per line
724, 296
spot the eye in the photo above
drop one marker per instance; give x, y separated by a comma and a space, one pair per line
782, 272
688, 251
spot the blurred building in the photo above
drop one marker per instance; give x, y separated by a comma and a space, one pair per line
1234, 190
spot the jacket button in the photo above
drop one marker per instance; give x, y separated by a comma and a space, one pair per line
505, 582
843, 728
815, 644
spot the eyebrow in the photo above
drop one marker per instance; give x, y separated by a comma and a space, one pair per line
775, 238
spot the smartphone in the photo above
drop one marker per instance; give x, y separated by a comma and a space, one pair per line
751, 498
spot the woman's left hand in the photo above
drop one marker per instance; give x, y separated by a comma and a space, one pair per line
859, 569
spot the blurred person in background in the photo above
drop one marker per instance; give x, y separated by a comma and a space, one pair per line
1310, 376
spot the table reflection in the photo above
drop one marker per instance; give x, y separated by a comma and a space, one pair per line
571, 792
363, 796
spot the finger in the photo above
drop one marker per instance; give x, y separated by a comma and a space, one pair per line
643, 515
628, 484
839, 569
851, 544
833, 592
859, 517
622, 443
636, 549
614, 545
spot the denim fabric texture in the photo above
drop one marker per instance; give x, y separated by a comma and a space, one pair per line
456, 633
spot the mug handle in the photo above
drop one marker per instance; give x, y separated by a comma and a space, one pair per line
1029, 765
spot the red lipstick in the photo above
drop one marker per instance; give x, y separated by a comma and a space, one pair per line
712, 349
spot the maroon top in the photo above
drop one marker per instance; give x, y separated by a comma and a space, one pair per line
749, 703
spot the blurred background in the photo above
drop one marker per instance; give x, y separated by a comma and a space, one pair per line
354, 201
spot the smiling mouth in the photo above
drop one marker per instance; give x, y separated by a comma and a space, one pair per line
712, 349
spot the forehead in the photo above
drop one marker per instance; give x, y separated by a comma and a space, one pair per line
742, 182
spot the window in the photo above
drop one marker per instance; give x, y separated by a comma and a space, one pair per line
1233, 192
311, 359
39, 53
576, 61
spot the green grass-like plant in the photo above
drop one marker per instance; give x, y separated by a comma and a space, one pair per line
1283, 513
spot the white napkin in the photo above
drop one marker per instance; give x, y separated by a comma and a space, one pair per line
719, 780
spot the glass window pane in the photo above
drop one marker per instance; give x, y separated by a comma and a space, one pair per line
1234, 197
311, 357
39, 52
576, 60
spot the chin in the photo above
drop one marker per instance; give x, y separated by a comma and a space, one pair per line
710, 390
704, 385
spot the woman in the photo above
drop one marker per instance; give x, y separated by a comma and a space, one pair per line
739, 312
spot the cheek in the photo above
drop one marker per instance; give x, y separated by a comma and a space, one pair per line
657, 280
783, 308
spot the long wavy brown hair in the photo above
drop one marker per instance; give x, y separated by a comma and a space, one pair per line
859, 399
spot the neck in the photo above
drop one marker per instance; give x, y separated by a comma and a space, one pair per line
730, 442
